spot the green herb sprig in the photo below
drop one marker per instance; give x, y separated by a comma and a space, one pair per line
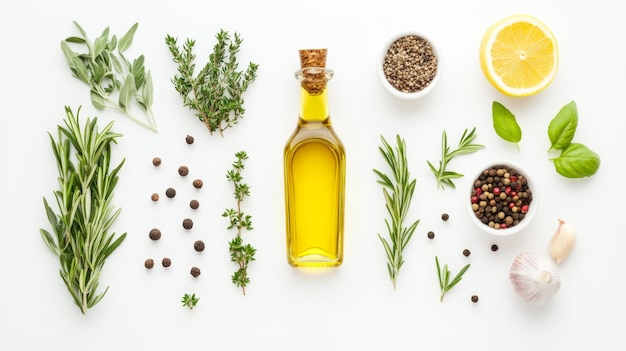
398, 194
444, 275
216, 91
443, 176
80, 230
505, 124
576, 159
108, 73
240, 253
190, 300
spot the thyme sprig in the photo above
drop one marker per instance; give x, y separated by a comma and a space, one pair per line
444, 274
190, 301
80, 230
398, 194
108, 73
216, 91
444, 176
240, 253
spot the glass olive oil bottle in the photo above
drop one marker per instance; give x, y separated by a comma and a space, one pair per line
314, 166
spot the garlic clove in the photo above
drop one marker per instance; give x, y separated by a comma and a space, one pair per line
535, 277
563, 241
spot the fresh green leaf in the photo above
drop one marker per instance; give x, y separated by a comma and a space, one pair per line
97, 100
127, 39
444, 274
505, 124
577, 161
127, 91
443, 176
563, 127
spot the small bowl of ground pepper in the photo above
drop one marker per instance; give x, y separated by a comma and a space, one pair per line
409, 66
501, 198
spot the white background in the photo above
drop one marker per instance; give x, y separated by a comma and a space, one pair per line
354, 306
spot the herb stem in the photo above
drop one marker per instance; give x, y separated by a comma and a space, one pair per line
465, 146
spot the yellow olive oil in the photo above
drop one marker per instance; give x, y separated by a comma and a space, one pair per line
314, 167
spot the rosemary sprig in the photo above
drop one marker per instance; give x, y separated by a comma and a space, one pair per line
190, 300
398, 194
80, 235
109, 74
444, 278
240, 253
443, 176
215, 93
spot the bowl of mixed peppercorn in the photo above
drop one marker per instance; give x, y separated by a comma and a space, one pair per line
501, 198
409, 66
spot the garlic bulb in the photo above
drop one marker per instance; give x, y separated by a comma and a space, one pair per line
535, 277
563, 241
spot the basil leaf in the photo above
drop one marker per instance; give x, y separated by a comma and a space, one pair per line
563, 126
505, 124
577, 161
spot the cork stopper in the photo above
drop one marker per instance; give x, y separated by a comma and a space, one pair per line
313, 80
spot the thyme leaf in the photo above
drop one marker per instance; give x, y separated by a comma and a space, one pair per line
465, 146
215, 92
444, 274
80, 229
190, 300
398, 192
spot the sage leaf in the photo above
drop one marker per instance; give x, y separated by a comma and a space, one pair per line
147, 91
577, 161
505, 124
97, 100
127, 39
563, 126
127, 91
101, 43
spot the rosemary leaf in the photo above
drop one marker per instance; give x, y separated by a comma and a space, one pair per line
465, 146
444, 274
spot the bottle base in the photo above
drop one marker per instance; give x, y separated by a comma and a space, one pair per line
314, 261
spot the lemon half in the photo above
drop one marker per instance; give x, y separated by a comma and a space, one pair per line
519, 55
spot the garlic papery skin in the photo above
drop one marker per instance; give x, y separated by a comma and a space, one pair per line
563, 241
535, 277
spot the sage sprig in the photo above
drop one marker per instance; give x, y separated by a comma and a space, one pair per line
398, 192
216, 91
80, 229
240, 253
444, 275
114, 81
465, 146
505, 124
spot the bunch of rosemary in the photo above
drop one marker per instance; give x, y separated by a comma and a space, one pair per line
108, 74
398, 194
80, 230
216, 92
240, 253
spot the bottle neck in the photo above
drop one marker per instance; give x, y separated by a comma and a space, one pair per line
314, 107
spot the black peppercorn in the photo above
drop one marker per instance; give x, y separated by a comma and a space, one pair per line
170, 192
431, 234
187, 223
198, 245
195, 272
155, 234
194, 204
183, 170
466, 252
494, 247
149, 263
154, 197
156, 161
474, 298
197, 183
445, 216
166, 262
189, 139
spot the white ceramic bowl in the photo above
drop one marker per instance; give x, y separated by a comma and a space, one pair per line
390, 88
532, 207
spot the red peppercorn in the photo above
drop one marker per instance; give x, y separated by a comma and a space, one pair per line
474, 199
511, 204
507, 190
478, 191
524, 208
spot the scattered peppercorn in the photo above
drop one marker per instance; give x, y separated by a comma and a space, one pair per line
149, 263
410, 64
189, 139
431, 234
466, 252
183, 170
155, 197
195, 272
155, 234
187, 223
445, 217
166, 262
194, 204
197, 183
198, 245
156, 161
170, 192
494, 247
474, 298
